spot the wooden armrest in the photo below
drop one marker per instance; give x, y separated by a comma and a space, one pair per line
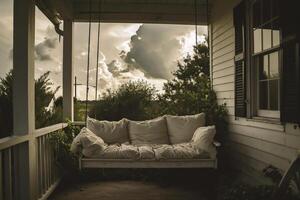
217, 144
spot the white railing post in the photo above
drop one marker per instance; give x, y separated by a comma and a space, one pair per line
68, 107
23, 99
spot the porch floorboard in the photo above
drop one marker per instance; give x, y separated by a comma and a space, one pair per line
128, 190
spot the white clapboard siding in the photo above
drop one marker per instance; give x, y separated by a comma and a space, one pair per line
224, 65
221, 23
275, 149
264, 134
224, 72
292, 129
247, 160
224, 79
250, 167
253, 143
230, 111
261, 156
224, 87
293, 141
228, 102
221, 52
226, 95
225, 42
225, 57
227, 32
221, 30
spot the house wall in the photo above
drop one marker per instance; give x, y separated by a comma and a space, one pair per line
252, 145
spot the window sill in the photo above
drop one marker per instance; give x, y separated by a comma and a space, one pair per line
268, 120
261, 122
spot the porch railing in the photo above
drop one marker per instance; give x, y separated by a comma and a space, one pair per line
46, 172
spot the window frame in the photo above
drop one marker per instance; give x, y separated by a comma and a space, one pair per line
255, 111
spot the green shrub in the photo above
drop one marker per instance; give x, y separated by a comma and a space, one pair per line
133, 100
61, 141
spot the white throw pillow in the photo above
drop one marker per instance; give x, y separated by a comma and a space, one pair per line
148, 132
203, 138
87, 142
182, 128
112, 132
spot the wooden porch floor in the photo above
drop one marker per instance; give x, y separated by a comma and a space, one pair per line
127, 190
166, 184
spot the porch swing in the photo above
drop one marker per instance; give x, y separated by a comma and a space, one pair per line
94, 162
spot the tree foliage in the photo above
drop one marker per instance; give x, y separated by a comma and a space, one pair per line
6, 111
44, 95
193, 66
133, 100
191, 92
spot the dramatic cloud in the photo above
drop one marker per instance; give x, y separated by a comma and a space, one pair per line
6, 36
48, 50
43, 49
128, 52
115, 67
155, 48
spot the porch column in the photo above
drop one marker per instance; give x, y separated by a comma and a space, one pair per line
210, 46
68, 107
23, 98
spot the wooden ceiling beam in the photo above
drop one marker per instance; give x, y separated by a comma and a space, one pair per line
133, 11
126, 11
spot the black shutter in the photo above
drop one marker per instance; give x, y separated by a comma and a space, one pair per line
240, 68
290, 73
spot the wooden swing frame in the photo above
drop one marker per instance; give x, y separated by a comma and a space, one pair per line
209, 163
144, 164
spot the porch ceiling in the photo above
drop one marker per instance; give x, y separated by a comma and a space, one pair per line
130, 11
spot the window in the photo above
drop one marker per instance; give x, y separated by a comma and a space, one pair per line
266, 58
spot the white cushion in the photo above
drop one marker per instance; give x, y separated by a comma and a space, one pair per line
87, 142
182, 128
119, 152
148, 132
179, 151
203, 139
111, 132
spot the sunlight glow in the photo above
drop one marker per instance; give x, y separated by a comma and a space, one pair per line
187, 42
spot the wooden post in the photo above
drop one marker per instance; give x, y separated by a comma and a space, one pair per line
75, 87
23, 99
210, 46
68, 71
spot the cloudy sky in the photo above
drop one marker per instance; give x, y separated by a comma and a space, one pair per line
127, 51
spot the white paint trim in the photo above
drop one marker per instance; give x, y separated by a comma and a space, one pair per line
25, 170
209, 28
50, 190
68, 72
23, 70
15, 140
268, 114
127, 163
